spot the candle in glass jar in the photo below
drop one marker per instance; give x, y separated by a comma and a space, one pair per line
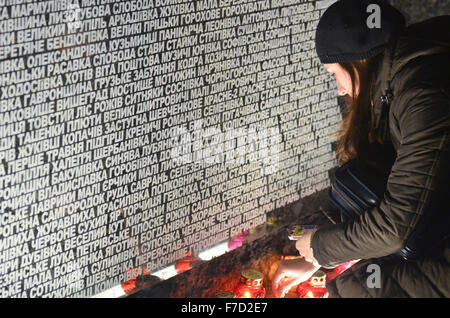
250, 285
314, 287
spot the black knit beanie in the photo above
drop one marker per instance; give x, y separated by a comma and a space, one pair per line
344, 34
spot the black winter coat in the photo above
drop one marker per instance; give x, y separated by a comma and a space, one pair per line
417, 197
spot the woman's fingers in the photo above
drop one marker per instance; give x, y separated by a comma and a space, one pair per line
279, 281
277, 288
282, 281
276, 282
290, 273
284, 285
288, 284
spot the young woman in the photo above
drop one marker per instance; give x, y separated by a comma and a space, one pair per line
398, 81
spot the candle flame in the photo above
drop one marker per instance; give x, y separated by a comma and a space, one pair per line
309, 295
246, 295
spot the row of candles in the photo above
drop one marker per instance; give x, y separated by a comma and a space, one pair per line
251, 284
140, 275
251, 281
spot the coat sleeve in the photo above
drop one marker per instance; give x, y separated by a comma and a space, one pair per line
414, 186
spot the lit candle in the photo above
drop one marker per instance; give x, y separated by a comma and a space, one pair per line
186, 263
314, 287
250, 285
135, 279
309, 295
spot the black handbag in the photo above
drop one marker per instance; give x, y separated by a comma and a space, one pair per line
356, 188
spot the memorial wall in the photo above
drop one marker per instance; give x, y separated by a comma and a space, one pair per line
135, 133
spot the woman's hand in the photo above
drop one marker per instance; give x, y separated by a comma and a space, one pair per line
303, 245
290, 273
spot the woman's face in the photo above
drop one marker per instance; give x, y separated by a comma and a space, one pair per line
343, 79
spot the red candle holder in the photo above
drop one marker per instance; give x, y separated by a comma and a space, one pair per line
314, 287
135, 277
250, 285
186, 263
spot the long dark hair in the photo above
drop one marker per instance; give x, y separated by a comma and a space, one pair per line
357, 131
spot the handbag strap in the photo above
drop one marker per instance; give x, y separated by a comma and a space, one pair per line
381, 113
388, 71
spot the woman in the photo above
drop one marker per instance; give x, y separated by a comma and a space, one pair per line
398, 81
